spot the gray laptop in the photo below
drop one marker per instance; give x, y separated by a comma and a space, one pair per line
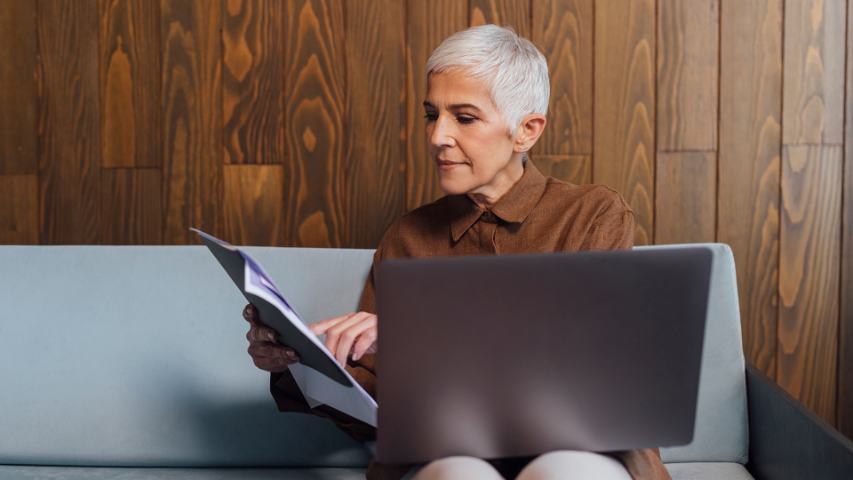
506, 356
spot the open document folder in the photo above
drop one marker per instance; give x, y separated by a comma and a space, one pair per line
320, 378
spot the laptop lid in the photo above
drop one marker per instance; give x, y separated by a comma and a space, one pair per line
503, 356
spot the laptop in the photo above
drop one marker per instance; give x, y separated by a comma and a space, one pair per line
518, 355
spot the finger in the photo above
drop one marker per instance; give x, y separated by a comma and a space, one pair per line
272, 351
250, 313
320, 327
366, 343
273, 365
261, 333
339, 339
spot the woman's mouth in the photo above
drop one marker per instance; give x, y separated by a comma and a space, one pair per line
448, 165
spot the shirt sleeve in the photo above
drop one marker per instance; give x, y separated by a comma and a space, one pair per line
612, 229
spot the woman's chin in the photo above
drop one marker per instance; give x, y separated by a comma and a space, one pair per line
451, 186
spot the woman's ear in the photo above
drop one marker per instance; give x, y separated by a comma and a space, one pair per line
528, 132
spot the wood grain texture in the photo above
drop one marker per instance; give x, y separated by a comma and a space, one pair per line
687, 74
749, 165
809, 276
315, 103
69, 153
253, 204
253, 80
18, 88
685, 209
131, 206
130, 83
563, 31
191, 118
19, 209
845, 337
506, 13
624, 105
575, 169
427, 24
813, 104
375, 161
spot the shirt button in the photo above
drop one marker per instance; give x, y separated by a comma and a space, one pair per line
489, 217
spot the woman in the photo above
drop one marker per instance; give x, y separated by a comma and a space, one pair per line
485, 108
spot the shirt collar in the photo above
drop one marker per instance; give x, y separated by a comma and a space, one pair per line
513, 207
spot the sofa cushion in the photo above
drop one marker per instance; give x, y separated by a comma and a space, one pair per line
708, 471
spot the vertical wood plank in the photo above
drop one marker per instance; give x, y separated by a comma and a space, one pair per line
506, 13
427, 24
624, 105
813, 105
19, 209
18, 88
253, 72
192, 118
845, 356
563, 32
69, 154
315, 100
131, 206
375, 180
749, 164
809, 275
575, 169
687, 75
130, 83
253, 208
685, 209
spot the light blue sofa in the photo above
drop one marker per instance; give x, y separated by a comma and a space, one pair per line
130, 363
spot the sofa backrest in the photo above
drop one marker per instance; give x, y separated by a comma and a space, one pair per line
135, 356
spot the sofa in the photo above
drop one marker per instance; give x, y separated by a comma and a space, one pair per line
130, 362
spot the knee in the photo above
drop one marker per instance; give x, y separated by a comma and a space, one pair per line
575, 466
451, 468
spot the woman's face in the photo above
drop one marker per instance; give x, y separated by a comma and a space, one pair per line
468, 138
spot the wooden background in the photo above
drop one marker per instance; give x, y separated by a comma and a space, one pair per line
299, 122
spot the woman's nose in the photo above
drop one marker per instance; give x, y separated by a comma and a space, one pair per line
440, 134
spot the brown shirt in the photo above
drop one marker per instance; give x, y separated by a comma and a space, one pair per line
538, 214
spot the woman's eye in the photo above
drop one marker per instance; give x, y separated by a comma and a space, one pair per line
465, 119
431, 117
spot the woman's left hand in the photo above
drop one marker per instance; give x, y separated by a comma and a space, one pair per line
354, 333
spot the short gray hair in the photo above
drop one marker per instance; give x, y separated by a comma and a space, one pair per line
513, 68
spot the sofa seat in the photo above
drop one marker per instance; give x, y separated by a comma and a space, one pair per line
679, 471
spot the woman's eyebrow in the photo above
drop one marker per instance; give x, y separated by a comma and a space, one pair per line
455, 106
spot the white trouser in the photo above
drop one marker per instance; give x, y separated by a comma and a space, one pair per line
564, 464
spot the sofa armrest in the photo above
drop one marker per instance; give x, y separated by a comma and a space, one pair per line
786, 441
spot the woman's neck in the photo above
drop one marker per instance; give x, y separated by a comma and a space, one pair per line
488, 195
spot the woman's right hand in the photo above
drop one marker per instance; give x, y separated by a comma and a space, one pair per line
266, 353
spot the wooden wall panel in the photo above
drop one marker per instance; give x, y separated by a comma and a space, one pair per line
192, 118
809, 275
624, 141
18, 88
687, 75
813, 105
19, 209
749, 164
427, 24
131, 206
253, 207
130, 83
845, 355
506, 13
253, 81
315, 102
69, 137
575, 169
376, 159
686, 197
563, 31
